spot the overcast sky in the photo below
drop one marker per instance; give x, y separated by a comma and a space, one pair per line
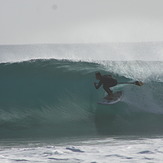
80, 21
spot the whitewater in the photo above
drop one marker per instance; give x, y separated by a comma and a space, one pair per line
49, 110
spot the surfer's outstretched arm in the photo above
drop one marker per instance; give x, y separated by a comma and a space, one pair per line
98, 85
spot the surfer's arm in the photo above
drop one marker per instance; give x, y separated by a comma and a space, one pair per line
98, 85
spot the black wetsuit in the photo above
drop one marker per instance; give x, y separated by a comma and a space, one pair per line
107, 81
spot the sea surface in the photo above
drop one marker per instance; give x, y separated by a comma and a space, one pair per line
49, 111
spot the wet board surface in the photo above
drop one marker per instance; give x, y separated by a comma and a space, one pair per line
116, 98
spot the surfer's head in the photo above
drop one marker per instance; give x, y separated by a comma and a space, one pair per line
98, 75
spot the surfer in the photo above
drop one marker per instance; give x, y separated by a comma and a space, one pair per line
107, 81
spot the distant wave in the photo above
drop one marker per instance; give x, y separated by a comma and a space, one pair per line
57, 98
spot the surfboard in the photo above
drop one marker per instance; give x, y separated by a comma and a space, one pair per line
117, 96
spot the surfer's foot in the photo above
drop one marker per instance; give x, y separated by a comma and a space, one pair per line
109, 97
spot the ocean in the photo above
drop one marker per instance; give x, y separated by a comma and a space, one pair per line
49, 111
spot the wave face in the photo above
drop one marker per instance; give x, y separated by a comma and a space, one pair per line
44, 98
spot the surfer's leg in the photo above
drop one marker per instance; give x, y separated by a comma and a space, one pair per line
107, 89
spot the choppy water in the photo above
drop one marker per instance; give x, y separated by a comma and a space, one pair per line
94, 150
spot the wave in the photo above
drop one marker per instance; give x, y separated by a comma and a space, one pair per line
57, 98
